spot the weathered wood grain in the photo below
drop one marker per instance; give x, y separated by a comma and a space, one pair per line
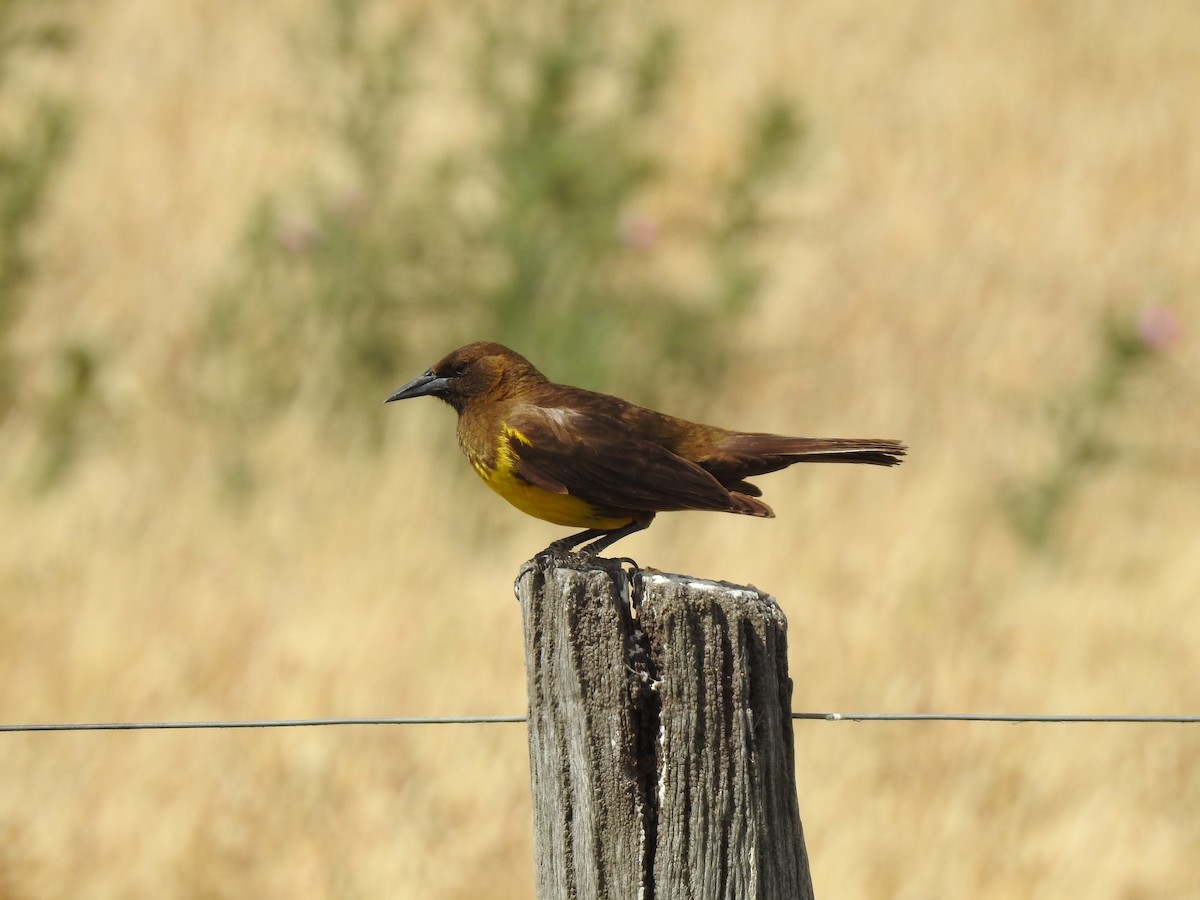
660, 736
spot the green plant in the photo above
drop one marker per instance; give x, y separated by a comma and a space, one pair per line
533, 232
570, 110
1083, 422
32, 150
61, 411
330, 287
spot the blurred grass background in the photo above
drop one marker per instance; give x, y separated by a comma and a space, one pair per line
228, 230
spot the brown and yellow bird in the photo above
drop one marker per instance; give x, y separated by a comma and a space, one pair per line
587, 460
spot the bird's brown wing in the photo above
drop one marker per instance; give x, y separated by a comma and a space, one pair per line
601, 461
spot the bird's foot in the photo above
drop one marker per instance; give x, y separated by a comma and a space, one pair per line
587, 545
565, 547
561, 552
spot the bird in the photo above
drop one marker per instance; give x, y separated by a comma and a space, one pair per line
588, 460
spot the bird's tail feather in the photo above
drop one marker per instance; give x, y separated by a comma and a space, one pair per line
777, 451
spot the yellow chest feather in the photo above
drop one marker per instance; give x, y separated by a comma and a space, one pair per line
500, 474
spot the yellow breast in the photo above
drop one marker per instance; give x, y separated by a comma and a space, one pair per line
561, 509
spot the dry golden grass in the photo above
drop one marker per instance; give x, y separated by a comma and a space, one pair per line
984, 182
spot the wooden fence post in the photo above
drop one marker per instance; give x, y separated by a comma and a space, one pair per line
660, 736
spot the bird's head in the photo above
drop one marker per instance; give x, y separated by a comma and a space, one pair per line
481, 369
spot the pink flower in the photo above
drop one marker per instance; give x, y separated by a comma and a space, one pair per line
638, 231
1158, 328
299, 236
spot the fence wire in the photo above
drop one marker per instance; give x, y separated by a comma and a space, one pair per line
517, 720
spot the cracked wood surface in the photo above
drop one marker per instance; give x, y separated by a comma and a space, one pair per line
660, 736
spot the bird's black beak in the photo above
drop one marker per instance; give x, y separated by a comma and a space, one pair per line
427, 385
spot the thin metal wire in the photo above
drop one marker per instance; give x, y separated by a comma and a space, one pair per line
994, 717
266, 723
515, 720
